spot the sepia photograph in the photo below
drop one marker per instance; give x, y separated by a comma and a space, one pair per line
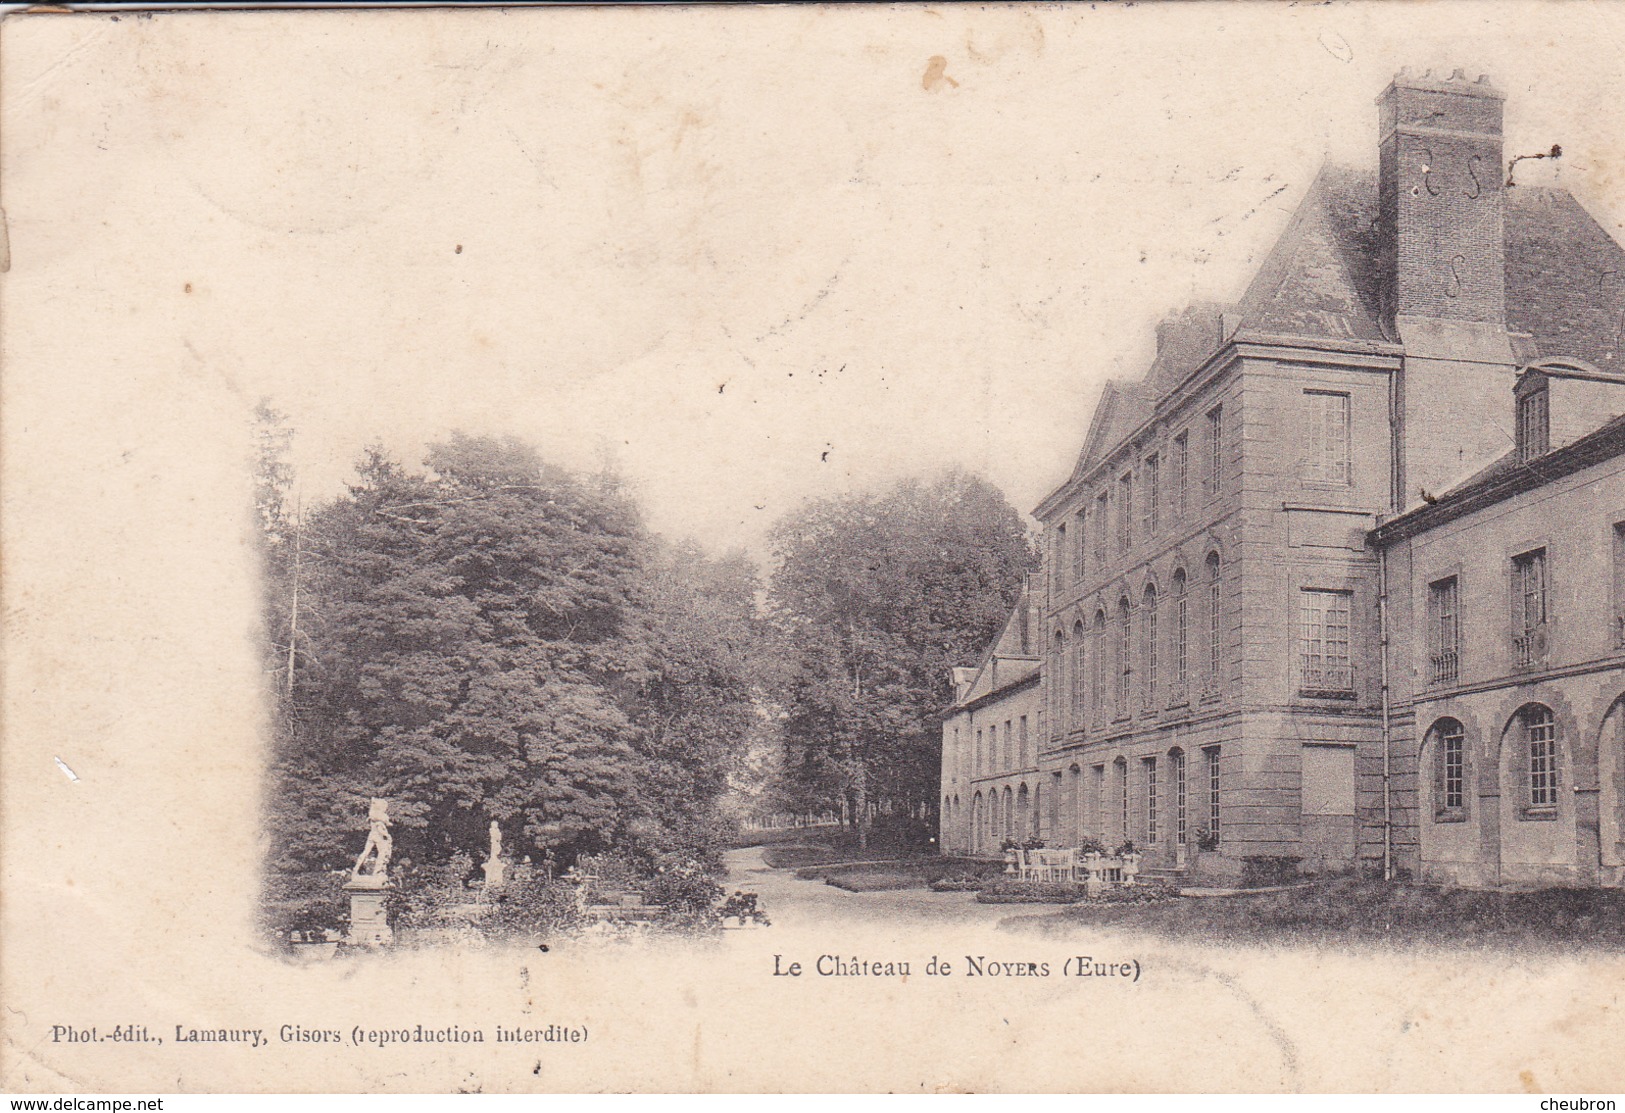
1012, 548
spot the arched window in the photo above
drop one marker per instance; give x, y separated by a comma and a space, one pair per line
1057, 688
1100, 681
1539, 728
1125, 641
1009, 815
1023, 813
1449, 745
1079, 711
1182, 630
1213, 616
977, 818
1148, 638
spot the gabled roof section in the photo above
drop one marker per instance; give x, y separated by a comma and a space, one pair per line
1122, 408
1012, 658
1565, 278
1322, 277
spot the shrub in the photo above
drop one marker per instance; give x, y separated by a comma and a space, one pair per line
1205, 838
742, 907
682, 885
1091, 846
540, 908
1030, 892
425, 895
1263, 870
311, 902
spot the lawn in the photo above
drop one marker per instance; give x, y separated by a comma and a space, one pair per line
1350, 910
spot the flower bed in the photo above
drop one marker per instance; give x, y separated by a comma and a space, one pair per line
1030, 892
1143, 892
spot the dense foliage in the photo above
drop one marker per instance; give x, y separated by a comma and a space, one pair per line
875, 598
496, 638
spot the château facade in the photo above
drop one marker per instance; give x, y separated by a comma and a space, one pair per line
1226, 653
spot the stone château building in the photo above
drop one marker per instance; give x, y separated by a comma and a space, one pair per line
1340, 578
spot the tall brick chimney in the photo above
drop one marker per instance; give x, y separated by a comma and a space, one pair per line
1442, 248
1440, 203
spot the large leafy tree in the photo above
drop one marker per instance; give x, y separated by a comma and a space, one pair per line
875, 597
497, 638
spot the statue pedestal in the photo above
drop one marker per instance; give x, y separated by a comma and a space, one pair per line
369, 921
494, 870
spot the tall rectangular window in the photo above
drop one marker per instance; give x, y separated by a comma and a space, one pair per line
1540, 733
1125, 511
1151, 800
1125, 643
1453, 741
1148, 632
1098, 777
1153, 494
1212, 755
1080, 545
1103, 525
1122, 793
1326, 429
1180, 817
1618, 618
981, 760
1529, 608
1100, 676
1061, 556
1215, 604
1022, 748
1444, 631
1009, 753
1323, 632
1079, 672
1215, 444
1182, 473
1534, 425
1182, 629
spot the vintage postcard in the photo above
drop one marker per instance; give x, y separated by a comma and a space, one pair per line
845, 548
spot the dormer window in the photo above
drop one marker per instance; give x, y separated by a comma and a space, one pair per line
1534, 424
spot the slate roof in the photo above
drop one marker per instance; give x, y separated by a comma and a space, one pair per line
1565, 287
1565, 276
1506, 477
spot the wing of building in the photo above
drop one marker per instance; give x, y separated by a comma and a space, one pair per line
1341, 578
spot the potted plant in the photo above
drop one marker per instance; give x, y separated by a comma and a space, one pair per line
1130, 856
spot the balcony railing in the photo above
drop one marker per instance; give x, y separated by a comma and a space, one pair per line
1529, 649
1445, 667
1326, 681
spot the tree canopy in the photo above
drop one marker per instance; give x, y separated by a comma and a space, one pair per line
875, 597
497, 638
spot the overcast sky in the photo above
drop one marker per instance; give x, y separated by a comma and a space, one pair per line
753, 255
